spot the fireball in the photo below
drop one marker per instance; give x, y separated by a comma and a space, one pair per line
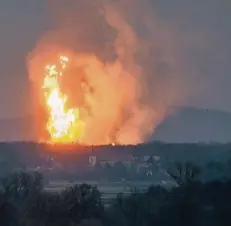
64, 123
80, 98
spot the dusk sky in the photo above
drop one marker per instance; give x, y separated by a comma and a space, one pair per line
203, 25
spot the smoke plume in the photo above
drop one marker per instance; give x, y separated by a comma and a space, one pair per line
124, 74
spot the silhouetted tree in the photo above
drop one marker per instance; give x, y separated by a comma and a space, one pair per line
184, 208
8, 212
21, 189
184, 173
70, 207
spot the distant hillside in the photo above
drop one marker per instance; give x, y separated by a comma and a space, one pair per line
195, 125
184, 125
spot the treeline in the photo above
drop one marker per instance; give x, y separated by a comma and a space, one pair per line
112, 173
71, 162
151, 171
32, 154
23, 202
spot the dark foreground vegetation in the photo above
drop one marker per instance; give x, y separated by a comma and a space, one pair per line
23, 202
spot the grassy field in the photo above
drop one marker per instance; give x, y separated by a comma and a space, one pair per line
109, 190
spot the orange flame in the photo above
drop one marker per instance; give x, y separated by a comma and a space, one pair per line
64, 124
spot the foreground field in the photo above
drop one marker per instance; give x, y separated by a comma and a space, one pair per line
109, 190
